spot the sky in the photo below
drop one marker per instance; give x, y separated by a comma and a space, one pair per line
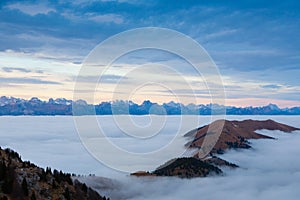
255, 45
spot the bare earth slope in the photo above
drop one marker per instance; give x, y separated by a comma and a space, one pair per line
236, 133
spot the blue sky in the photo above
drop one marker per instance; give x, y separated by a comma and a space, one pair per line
255, 44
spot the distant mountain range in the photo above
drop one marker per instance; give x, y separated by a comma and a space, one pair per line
62, 106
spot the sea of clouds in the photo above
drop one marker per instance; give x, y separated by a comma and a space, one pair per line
271, 170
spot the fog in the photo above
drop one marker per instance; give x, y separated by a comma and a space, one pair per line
270, 170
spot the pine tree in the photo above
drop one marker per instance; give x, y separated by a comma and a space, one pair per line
48, 170
7, 185
67, 194
54, 186
33, 196
2, 170
25, 187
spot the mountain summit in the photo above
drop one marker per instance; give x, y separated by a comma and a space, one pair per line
235, 134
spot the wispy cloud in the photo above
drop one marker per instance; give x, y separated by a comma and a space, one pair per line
11, 69
106, 78
271, 86
31, 9
221, 33
107, 18
17, 80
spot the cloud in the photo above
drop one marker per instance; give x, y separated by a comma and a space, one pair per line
39, 71
31, 9
107, 18
189, 92
271, 86
18, 80
111, 78
107, 78
11, 69
221, 33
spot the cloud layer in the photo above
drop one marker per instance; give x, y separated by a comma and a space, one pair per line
271, 170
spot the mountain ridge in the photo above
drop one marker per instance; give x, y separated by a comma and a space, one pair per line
61, 106
234, 135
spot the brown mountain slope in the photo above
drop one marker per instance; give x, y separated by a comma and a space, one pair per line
24, 180
235, 134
